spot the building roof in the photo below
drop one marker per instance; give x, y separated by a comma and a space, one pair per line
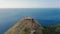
27, 17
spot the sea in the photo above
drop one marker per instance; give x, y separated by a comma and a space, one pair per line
45, 16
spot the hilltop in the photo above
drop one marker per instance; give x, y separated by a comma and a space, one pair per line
27, 25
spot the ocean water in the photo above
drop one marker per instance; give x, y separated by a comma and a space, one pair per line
45, 16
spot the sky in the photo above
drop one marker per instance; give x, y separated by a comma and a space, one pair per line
29, 3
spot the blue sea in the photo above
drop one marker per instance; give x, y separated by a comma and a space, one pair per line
45, 16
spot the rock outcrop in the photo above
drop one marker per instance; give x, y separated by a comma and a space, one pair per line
26, 26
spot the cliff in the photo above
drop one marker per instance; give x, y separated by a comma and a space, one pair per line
26, 26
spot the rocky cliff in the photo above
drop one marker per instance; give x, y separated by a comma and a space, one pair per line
26, 26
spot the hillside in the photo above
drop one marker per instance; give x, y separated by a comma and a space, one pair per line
26, 26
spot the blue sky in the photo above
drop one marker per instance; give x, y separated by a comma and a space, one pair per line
29, 3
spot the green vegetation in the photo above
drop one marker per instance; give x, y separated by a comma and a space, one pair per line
46, 30
52, 29
26, 31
